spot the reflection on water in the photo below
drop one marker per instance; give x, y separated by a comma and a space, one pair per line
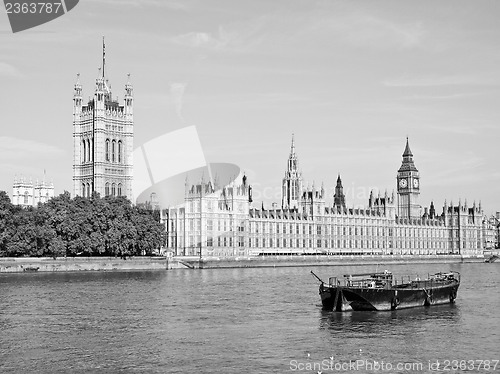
374, 322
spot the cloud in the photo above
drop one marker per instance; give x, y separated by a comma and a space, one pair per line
483, 79
13, 149
369, 30
428, 81
9, 71
177, 91
170, 4
317, 25
343, 23
216, 41
444, 97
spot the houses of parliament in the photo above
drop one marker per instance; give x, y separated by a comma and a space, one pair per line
222, 221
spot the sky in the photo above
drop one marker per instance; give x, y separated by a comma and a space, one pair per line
350, 79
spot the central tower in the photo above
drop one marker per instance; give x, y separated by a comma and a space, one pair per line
408, 180
292, 182
103, 136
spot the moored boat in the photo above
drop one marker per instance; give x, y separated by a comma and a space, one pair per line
491, 259
381, 291
30, 268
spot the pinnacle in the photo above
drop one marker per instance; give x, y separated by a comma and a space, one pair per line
407, 151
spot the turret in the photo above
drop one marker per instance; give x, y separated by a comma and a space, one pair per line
77, 96
432, 211
292, 182
339, 197
129, 99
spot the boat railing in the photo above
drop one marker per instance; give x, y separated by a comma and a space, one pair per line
370, 282
386, 280
333, 281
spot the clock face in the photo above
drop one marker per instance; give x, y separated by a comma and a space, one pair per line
403, 183
415, 183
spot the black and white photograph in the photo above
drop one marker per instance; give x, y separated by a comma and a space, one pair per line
249, 186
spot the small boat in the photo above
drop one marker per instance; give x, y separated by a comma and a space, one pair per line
381, 291
31, 268
491, 259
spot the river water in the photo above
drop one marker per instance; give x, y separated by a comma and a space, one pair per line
263, 320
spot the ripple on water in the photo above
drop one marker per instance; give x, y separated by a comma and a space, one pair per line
222, 321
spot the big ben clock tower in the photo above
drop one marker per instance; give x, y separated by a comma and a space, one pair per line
408, 187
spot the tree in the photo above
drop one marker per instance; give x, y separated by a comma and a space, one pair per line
23, 241
91, 226
151, 234
6, 221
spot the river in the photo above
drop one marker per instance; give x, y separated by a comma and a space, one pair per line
260, 320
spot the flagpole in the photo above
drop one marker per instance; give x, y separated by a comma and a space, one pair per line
103, 55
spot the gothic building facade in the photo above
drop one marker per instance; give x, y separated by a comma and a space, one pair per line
103, 135
292, 182
26, 193
222, 221
408, 186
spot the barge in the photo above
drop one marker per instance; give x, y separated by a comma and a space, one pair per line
381, 291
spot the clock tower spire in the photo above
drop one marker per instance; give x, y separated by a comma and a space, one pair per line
408, 180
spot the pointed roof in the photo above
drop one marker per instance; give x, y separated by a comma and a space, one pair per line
103, 56
407, 151
292, 150
407, 164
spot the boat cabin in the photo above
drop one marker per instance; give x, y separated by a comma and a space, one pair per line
364, 280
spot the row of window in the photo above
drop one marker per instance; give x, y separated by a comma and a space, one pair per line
224, 225
111, 189
87, 146
113, 150
223, 241
87, 189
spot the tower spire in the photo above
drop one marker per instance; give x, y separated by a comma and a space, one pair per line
339, 197
292, 183
407, 152
103, 55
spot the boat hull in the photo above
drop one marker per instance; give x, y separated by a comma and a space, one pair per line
341, 298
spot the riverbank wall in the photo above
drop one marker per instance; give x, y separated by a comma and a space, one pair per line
319, 260
48, 264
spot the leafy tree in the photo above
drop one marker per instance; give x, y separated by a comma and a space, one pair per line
6, 221
24, 234
81, 226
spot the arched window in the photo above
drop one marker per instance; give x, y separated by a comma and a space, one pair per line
113, 189
26, 197
107, 149
106, 189
89, 151
120, 148
113, 151
83, 189
84, 151
88, 190
119, 188
92, 149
